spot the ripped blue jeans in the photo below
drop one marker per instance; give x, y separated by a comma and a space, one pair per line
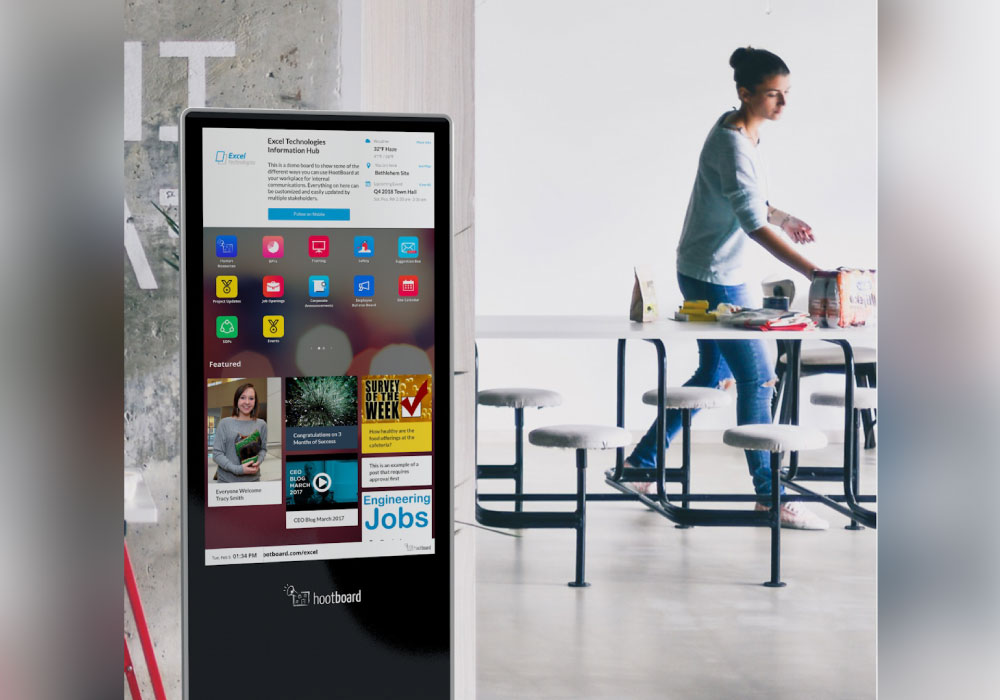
746, 361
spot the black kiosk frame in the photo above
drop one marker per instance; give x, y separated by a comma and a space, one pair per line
338, 612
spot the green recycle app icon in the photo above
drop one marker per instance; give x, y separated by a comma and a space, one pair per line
226, 326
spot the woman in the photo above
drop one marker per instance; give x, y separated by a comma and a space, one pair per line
241, 440
728, 207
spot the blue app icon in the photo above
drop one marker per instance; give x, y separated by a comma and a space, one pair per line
364, 285
225, 246
364, 246
409, 247
319, 286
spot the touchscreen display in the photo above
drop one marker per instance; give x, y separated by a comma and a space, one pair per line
318, 329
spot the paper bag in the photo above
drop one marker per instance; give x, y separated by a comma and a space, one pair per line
643, 307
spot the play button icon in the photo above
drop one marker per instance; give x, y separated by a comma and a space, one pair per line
321, 483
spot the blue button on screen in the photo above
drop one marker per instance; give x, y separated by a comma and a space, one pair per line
364, 285
364, 246
302, 214
319, 286
409, 247
225, 246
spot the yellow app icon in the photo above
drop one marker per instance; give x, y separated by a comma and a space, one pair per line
274, 326
225, 286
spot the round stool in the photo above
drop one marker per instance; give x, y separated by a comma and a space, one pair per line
827, 359
581, 438
687, 399
517, 398
830, 355
775, 439
865, 399
520, 398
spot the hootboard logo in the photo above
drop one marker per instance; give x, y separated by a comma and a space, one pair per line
302, 599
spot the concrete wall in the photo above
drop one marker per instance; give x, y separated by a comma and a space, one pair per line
192, 54
418, 57
224, 53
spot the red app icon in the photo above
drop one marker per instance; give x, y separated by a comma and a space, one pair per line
319, 246
274, 286
274, 246
408, 286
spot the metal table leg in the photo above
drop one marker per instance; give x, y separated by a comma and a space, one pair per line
853, 509
851, 452
620, 452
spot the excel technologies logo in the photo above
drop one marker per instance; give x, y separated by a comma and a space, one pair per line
223, 156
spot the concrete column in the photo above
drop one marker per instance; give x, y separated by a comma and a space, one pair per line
418, 57
251, 54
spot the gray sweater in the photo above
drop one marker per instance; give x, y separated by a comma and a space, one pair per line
729, 200
227, 433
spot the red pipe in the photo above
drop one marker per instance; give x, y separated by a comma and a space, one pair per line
140, 624
133, 684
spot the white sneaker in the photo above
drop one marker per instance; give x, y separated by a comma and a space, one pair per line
796, 516
646, 488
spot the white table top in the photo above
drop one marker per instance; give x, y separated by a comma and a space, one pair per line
610, 327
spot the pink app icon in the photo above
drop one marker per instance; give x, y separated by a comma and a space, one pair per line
319, 246
409, 285
274, 247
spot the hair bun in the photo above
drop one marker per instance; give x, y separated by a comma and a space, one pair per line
753, 66
739, 57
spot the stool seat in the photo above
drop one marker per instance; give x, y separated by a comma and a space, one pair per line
832, 355
864, 398
587, 437
519, 397
774, 438
689, 397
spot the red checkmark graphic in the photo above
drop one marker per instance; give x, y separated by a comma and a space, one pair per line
410, 403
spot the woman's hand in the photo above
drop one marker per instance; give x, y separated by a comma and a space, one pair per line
251, 468
795, 228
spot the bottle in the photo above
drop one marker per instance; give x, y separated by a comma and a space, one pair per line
819, 296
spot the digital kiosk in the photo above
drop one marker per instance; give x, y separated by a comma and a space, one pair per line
316, 371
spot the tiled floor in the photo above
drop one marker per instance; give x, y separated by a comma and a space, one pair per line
673, 613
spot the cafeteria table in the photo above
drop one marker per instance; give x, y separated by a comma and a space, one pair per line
662, 333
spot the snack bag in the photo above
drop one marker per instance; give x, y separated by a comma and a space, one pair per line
857, 297
851, 297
